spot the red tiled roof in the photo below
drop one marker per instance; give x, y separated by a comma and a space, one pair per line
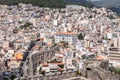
60, 52
45, 65
99, 58
61, 69
66, 33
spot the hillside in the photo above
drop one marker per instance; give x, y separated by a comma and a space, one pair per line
80, 2
43, 3
113, 5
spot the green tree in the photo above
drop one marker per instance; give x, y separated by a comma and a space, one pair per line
15, 30
111, 17
115, 70
80, 36
40, 70
12, 77
44, 3
61, 65
43, 72
78, 72
28, 71
5, 78
27, 24
112, 45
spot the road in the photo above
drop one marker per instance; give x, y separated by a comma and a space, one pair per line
32, 44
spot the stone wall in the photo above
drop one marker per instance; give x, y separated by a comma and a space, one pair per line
34, 60
52, 76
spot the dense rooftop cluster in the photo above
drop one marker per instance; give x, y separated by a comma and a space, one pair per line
80, 33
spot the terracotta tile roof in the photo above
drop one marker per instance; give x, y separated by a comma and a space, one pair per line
61, 69
18, 41
99, 58
44, 65
67, 48
36, 46
89, 48
60, 52
59, 57
66, 33
58, 63
81, 29
49, 44
77, 59
13, 58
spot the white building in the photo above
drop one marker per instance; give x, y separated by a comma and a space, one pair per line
114, 57
109, 36
69, 37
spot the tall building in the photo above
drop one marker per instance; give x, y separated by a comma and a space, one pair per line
114, 56
69, 37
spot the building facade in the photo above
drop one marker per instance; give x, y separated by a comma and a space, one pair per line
69, 37
114, 56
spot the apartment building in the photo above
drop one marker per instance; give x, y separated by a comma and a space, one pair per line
69, 37
114, 56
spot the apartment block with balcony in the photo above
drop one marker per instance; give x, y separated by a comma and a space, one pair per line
69, 37
114, 56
